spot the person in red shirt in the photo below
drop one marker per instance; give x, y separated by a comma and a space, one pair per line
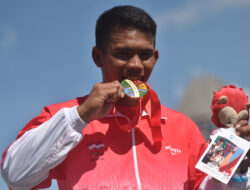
107, 140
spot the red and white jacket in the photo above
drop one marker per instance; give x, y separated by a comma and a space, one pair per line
57, 144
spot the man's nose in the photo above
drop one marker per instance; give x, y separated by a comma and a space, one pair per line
135, 63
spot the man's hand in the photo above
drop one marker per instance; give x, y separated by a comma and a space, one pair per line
100, 101
243, 130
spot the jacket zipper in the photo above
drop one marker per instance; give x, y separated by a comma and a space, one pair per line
135, 159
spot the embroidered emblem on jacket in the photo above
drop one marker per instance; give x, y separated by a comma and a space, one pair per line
96, 150
173, 151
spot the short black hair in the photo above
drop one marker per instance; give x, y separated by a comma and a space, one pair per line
124, 17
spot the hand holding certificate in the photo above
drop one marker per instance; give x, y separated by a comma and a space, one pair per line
228, 147
223, 155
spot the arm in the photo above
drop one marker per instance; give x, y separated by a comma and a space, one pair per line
45, 143
30, 158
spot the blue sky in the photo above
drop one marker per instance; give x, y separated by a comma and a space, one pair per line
45, 51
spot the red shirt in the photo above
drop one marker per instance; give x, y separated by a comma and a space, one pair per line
110, 158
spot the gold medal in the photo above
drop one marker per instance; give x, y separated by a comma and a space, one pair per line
134, 89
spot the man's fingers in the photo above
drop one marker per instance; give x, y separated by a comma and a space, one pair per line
243, 129
113, 92
100, 100
121, 92
241, 124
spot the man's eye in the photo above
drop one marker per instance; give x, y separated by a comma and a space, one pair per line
146, 56
124, 55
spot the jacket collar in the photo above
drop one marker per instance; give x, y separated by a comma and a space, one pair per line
119, 114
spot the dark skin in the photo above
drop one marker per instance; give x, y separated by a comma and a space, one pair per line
243, 130
130, 54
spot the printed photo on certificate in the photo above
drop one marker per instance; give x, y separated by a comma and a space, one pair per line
223, 156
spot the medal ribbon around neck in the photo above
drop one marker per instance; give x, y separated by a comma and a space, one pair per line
151, 104
153, 108
130, 123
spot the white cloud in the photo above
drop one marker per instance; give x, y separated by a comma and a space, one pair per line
8, 38
196, 10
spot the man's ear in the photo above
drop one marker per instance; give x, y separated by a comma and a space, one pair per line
97, 56
156, 54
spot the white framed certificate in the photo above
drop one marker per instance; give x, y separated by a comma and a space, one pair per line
223, 155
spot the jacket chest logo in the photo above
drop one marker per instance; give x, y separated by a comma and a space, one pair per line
173, 151
96, 150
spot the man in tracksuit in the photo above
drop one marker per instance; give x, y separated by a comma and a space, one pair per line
107, 140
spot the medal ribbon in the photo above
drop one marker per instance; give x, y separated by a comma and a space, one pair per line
153, 108
131, 123
152, 105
